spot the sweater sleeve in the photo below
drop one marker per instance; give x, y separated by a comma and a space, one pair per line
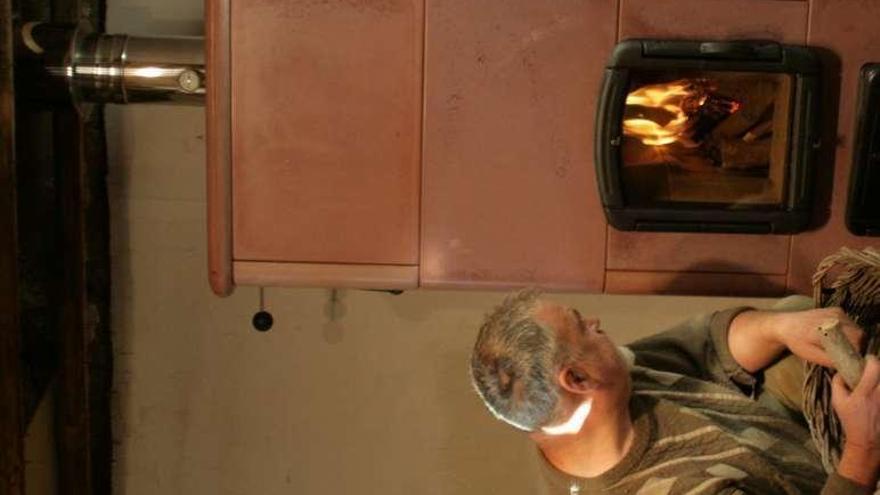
697, 348
838, 485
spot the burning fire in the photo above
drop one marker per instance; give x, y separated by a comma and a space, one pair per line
681, 99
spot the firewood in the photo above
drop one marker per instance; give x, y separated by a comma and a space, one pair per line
759, 131
847, 361
737, 155
704, 118
757, 97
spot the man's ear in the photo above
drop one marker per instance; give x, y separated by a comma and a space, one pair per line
575, 380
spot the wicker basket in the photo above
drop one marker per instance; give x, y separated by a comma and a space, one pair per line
849, 279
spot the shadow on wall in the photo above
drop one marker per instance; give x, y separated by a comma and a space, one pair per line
694, 282
475, 452
418, 309
478, 450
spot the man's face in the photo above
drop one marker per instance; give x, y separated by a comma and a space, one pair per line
597, 354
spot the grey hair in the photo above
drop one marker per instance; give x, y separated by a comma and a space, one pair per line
514, 362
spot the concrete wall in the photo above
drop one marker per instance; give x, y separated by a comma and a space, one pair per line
351, 392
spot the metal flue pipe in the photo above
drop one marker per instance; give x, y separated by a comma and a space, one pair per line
75, 63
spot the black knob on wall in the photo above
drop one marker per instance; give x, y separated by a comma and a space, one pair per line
262, 321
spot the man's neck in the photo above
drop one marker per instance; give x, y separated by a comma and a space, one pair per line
600, 445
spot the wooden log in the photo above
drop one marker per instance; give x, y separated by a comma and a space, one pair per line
737, 154
757, 97
11, 375
713, 110
848, 362
759, 131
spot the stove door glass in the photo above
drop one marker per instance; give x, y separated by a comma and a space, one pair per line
720, 138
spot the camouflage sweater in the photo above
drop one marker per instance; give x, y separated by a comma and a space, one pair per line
706, 426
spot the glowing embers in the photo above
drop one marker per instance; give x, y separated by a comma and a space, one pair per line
683, 111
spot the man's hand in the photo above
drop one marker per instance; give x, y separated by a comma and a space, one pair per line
859, 413
797, 332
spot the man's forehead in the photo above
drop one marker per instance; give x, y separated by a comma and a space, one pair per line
550, 312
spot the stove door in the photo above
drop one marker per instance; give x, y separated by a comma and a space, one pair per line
708, 136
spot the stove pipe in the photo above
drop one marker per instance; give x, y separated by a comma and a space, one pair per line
73, 63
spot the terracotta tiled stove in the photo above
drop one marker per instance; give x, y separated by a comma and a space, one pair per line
446, 145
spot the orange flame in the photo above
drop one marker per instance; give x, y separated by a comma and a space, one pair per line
669, 97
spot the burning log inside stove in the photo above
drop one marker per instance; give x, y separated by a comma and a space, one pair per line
757, 99
692, 109
713, 110
714, 137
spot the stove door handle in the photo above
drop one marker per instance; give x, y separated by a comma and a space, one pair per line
739, 50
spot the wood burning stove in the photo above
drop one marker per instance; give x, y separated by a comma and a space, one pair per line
708, 136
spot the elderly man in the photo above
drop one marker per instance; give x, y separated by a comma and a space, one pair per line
706, 407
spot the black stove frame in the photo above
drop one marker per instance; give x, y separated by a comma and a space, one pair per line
792, 215
863, 205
